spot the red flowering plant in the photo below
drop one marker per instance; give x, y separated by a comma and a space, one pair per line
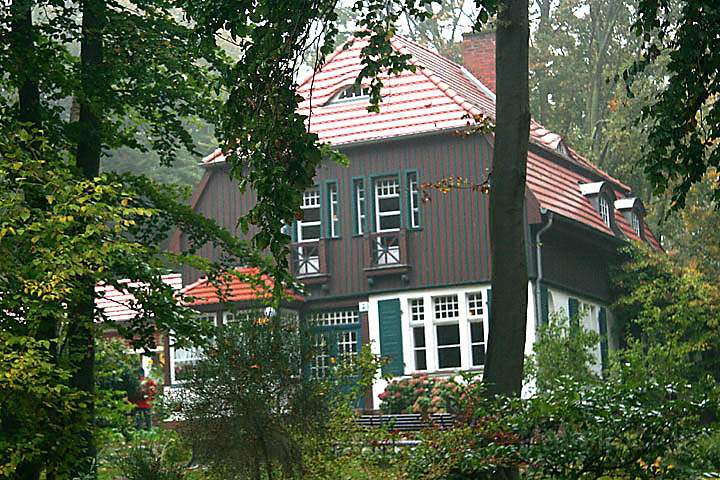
400, 395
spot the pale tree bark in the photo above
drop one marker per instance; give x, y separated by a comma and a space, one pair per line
506, 342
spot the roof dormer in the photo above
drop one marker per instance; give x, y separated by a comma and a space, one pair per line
350, 93
602, 198
634, 211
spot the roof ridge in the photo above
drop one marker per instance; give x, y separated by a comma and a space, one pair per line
439, 82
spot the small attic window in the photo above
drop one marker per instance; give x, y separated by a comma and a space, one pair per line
604, 207
636, 225
353, 92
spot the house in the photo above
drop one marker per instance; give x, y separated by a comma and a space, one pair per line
412, 278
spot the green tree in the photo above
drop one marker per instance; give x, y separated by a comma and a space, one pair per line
670, 313
245, 407
683, 122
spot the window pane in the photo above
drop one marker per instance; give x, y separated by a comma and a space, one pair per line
391, 204
311, 215
419, 336
390, 222
310, 232
478, 354
420, 360
446, 307
448, 335
476, 332
449, 357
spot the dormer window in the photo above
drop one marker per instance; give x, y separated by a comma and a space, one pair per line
636, 223
604, 207
353, 92
602, 197
633, 211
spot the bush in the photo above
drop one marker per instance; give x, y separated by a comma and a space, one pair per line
426, 395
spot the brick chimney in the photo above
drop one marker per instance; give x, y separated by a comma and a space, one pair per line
479, 56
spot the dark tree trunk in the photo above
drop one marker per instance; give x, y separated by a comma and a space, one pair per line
89, 147
503, 371
22, 46
506, 343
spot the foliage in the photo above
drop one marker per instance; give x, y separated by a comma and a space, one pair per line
156, 454
35, 404
574, 431
57, 230
672, 311
117, 380
563, 349
245, 405
682, 132
421, 394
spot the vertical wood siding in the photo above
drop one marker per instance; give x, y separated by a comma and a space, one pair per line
452, 245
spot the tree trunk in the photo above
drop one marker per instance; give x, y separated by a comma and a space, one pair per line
22, 47
89, 147
506, 342
21, 40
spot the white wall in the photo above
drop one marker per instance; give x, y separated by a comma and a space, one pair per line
427, 294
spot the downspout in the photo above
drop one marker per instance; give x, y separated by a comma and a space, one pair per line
538, 258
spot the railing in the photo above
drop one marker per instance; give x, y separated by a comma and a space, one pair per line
308, 258
386, 249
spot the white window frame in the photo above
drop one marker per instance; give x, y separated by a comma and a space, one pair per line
604, 208
412, 179
636, 225
347, 350
473, 317
416, 308
320, 365
387, 187
359, 191
333, 203
351, 93
443, 321
311, 200
212, 316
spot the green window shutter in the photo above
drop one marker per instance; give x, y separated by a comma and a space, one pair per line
391, 335
602, 327
573, 311
544, 307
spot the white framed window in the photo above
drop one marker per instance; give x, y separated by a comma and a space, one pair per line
333, 209
387, 204
350, 93
446, 309
308, 229
347, 346
183, 359
359, 191
320, 365
417, 326
339, 317
414, 199
604, 207
476, 321
636, 225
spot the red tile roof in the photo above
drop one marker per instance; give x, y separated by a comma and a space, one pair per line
438, 96
117, 305
240, 287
